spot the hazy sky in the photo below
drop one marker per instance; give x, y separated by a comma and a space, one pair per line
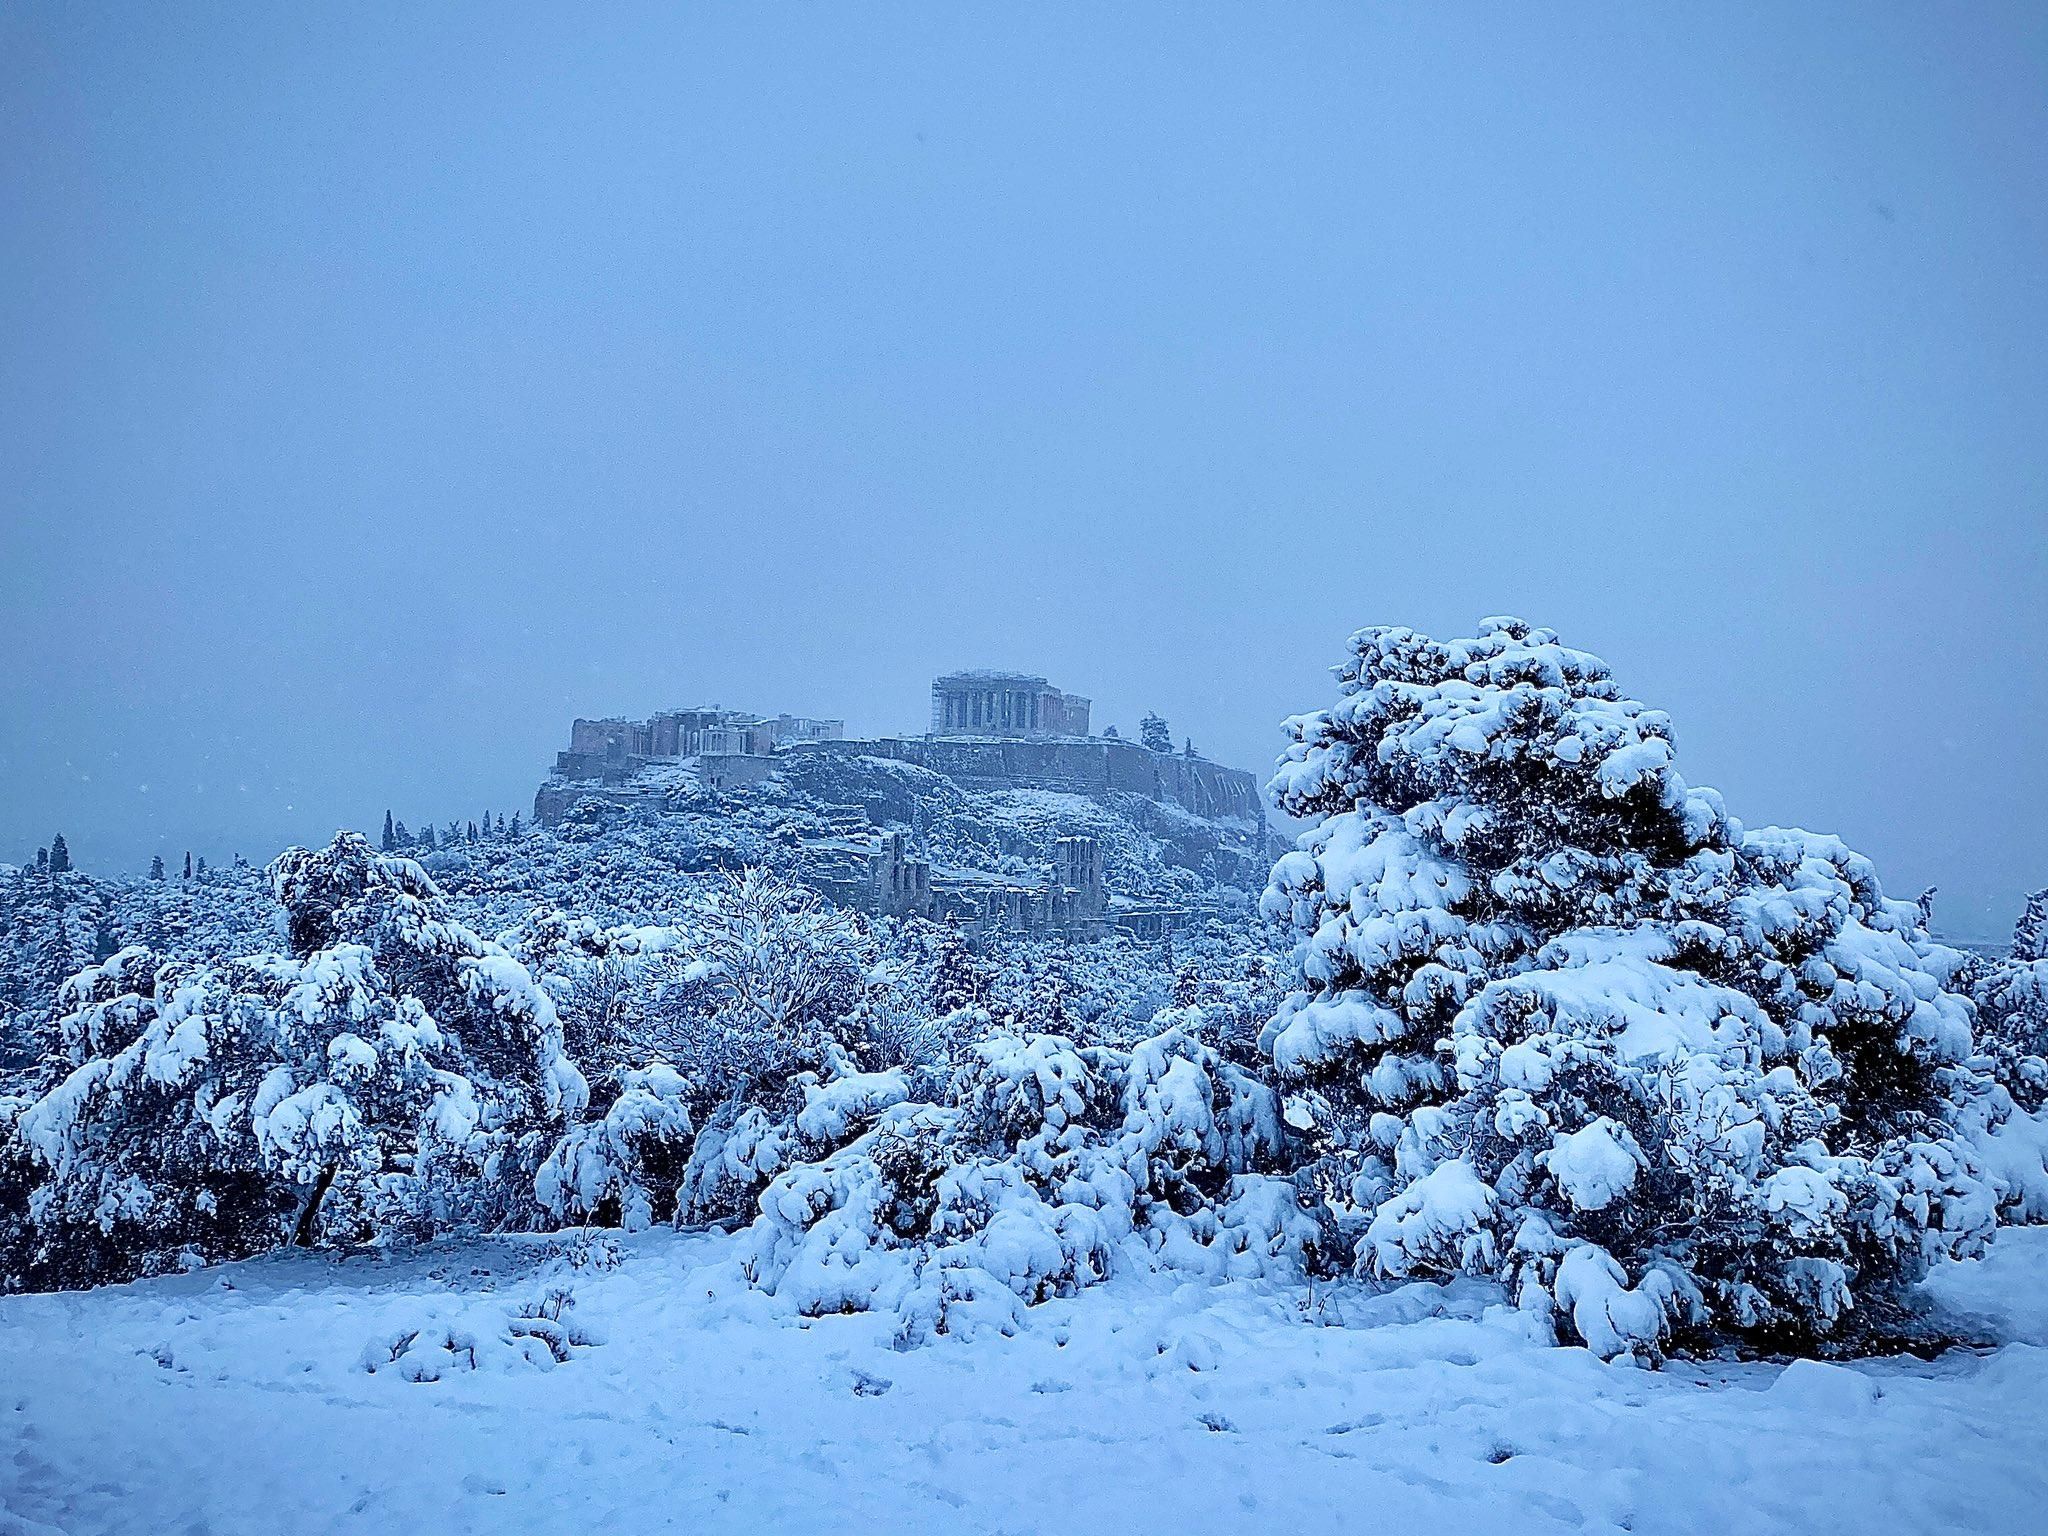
379, 389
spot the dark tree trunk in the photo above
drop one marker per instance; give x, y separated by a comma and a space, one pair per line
309, 1218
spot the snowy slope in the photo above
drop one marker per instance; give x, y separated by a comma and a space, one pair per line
243, 1399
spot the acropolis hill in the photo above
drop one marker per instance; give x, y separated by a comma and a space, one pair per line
992, 736
989, 730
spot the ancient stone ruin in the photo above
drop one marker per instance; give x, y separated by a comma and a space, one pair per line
990, 732
1004, 704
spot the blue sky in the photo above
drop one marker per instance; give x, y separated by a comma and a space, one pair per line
381, 389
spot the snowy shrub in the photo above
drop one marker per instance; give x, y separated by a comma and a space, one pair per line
757, 979
1036, 1095
623, 1168
1050, 1159
585, 1250
1564, 1021
592, 973
535, 1336
734, 1157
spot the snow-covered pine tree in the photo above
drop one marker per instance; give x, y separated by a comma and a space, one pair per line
389, 842
1571, 1024
1154, 735
156, 867
2011, 993
393, 1065
210, 1107
60, 855
477, 1157
2030, 933
957, 981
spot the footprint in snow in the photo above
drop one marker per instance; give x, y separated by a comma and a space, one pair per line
1349, 1425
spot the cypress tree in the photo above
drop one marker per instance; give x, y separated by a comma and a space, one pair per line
2030, 933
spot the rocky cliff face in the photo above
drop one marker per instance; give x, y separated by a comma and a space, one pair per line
1091, 766
1174, 831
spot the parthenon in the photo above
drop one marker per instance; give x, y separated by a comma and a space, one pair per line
1004, 704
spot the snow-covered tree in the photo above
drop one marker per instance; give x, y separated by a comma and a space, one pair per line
393, 1067
1154, 735
2030, 933
478, 1155
1570, 1023
210, 1108
957, 981
764, 973
625, 1165
156, 867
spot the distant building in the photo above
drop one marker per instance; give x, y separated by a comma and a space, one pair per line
1004, 704
609, 749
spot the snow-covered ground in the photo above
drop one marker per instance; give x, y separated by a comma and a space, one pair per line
282, 1395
